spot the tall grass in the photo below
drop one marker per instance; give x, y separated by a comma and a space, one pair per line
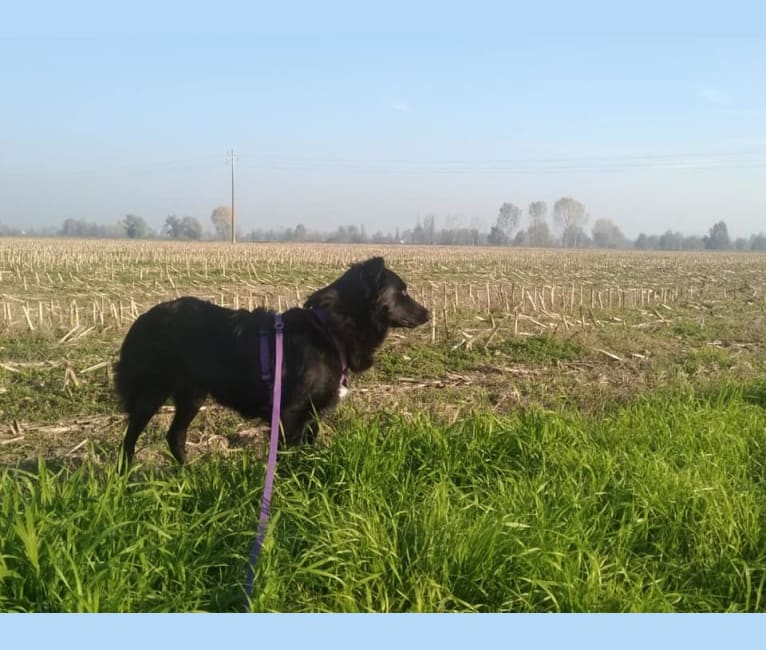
657, 506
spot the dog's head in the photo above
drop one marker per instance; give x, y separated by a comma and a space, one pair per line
388, 293
361, 306
369, 291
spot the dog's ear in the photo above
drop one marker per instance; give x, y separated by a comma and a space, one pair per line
372, 270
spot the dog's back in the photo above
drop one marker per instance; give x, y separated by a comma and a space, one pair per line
178, 343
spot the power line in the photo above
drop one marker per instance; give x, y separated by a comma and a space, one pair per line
690, 161
556, 159
744, 159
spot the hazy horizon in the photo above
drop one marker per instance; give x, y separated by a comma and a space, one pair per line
350, 115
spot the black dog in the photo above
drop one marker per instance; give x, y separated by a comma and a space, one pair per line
187, 349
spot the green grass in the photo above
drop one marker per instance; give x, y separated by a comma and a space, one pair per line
689, 329
439, 358
711, 359
541, 349
656, 506
33, 380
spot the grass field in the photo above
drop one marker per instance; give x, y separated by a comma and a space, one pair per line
577, 431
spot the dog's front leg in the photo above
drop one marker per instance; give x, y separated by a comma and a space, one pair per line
310, 431
299, 425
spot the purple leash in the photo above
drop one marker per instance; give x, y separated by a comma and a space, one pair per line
271, 465
276, 403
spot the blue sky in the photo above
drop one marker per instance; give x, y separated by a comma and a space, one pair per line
377, 115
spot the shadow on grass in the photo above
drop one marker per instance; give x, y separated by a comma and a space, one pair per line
755, 393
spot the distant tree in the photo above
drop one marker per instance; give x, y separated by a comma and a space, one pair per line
607, 234
81, 228
173, 227
538, 233
741, 244
73, 228
300, 232
569, 216
191, 228
456, 236
717, 238
475, 227
670, 241
10, 231
418, 234
497, 237
267, 235
758, 242
581, 237
221, 218
135, 227
116, 230
507, 221
693, 243
429, 229
339, 236
347, 235
380, 237
508, 218
183, 228
642, 242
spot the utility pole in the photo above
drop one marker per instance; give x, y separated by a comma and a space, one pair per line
233, 217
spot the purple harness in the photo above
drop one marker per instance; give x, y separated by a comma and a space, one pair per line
276, 405
321, 316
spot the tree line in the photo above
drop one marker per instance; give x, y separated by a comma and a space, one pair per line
564, 225
134, 227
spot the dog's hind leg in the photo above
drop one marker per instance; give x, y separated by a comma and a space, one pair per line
140, 411
187, 406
